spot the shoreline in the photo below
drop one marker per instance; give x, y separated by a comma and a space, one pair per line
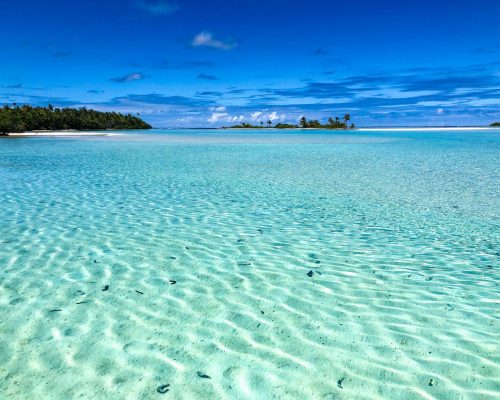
76, 133
411, 128
61, 133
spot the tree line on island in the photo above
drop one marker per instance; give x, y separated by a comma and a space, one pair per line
27, 118
304, 123
495, 125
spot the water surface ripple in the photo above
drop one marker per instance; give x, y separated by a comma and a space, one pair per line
230, 266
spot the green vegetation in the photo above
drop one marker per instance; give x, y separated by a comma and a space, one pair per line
303, 124
495, 124
27, 118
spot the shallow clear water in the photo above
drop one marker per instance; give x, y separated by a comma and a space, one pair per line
399, 230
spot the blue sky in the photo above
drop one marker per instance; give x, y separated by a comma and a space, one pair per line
218, 62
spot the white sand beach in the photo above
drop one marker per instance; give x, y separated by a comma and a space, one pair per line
68, 132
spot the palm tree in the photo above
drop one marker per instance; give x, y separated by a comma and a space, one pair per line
331, 122
337, 120
347, 118
269, 123
303, 122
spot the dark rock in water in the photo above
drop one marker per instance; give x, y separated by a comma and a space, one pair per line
105, 288
240, 240
79, 292
172, 282
202, 375
260, 231
313, 256
82, 302
138, 291
339, 383
55, 310
173, 258
16, 301
244, 263
431, 382
163, 388
429, 278
310, 274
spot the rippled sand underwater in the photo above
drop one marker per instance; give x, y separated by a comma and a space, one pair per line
232, 266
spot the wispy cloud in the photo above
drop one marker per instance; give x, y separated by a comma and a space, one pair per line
15, 86
206, 39
134, 76
158, 7
209, 93
207, 77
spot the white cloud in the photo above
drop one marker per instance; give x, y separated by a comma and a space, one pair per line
262, 116
255, 115
135, 76
218, 117
205, 39
274, 116
217, 109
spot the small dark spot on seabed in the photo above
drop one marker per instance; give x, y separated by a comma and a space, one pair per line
163, 388
95, 261
244, 263
202, 375
310, 274
138, 291
172, 282
339, 383
105, 288
431, 382
80, 292
82, 302
429, 278
55, 310
173, 258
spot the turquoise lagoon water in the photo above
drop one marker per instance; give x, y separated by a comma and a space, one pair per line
250, 265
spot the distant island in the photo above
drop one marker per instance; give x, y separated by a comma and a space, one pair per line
304, 123
27, 118
495, 124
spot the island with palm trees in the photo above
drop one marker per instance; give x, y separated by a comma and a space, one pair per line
304, 123
28, 119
